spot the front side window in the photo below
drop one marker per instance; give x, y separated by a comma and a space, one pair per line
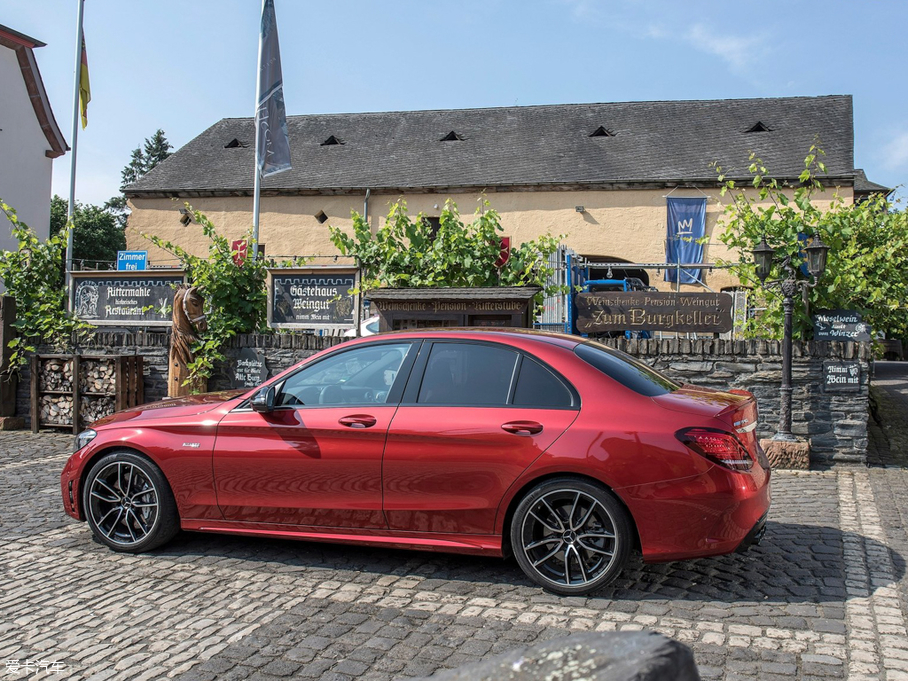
465, 374
364, 375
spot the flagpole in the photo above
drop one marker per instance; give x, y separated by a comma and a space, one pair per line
257, 185
72, 168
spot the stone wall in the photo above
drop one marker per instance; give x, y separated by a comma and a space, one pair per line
835, 424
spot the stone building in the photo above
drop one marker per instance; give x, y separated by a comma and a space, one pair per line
597, 173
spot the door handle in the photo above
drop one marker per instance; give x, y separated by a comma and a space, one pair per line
357, 421
522, 427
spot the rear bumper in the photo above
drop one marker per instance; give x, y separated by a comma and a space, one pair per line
712, 514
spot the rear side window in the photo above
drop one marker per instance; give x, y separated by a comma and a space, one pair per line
539, 387
625, 369
465, 374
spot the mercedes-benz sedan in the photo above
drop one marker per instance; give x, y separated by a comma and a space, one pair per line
555, 449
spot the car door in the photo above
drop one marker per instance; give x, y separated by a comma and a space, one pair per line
473, 417
315, 459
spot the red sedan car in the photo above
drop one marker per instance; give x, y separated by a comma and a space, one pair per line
553, 448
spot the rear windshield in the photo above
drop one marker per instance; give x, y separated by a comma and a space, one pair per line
625, 369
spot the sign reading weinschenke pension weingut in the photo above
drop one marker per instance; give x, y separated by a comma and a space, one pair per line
653, 311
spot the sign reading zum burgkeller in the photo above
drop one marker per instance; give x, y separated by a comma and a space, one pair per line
313, 298
125, 298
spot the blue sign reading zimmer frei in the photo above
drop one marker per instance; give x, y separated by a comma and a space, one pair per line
132, 260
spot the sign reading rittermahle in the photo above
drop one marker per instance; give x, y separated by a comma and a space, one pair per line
312, 298
125, 298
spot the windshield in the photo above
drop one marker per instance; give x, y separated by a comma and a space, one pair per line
625, 369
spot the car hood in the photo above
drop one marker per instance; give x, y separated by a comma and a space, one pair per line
191, 405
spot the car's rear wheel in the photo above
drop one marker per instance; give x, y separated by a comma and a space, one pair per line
571, 536
128, 503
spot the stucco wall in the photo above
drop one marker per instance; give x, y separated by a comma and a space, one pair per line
625, 224
25, 172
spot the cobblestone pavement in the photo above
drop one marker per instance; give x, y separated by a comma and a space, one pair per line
823, 596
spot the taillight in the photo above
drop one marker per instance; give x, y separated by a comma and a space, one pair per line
718, 446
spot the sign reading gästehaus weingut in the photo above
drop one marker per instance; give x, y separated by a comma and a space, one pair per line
653, 311
312, 298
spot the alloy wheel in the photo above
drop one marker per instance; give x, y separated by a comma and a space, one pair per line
123, 503
569, 538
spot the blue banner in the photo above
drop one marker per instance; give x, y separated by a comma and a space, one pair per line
686, 226
272, 151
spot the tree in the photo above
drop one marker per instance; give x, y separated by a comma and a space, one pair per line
867, 265
33, 275
97, 234
411, 253
155, 150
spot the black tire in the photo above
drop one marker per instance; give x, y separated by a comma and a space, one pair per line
571, 536
128, 503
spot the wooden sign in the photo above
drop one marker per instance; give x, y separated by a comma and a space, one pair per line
840, 325
653, 311
125, 298
312, 298
841, 377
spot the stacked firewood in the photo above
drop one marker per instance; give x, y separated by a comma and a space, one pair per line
56, 409
57, 374
98, 376
94, 408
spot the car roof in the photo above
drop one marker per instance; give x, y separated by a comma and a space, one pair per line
501, 334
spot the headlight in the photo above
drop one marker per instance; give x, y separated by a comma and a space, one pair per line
84, 438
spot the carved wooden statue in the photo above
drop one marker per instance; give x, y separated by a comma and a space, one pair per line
188, 321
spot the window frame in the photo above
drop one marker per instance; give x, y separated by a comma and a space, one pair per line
394, 394
418, 372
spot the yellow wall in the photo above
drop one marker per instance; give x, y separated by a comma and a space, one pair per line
626, 224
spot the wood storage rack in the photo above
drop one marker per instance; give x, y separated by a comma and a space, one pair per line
70, 391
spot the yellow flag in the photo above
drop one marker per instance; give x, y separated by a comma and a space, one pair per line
84, 86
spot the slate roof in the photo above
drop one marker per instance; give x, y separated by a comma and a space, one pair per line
645, 143
864, 186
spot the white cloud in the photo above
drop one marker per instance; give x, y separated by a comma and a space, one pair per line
895, 154
739, 52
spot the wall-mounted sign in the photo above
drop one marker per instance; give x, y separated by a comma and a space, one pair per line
840, 325
249, 370
841, 377
125, 299
312, 298
653, 311
239, 248
131, 261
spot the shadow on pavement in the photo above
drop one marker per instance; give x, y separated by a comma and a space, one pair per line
794, 564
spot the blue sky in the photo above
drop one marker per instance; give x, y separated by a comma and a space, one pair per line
181, 65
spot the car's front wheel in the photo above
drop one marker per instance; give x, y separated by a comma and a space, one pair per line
128, 503
571, 536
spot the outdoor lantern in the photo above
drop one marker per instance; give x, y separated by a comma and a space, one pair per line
816, 256
763, 259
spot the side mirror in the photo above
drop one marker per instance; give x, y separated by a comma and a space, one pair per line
263, 402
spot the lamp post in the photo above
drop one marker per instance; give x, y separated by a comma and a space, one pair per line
816, 263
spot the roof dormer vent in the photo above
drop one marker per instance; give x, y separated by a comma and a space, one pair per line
332, 141
235, 143
452, 137
759, 126
602, 131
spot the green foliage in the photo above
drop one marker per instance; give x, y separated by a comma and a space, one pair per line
235, 297
406, 252
867, 265
155, 150
33, 275
97, 233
